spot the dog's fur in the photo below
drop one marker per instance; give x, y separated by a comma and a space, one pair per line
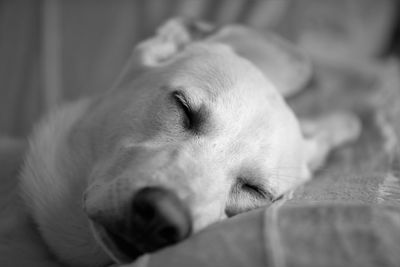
244, 147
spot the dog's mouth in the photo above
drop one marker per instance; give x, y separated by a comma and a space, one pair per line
118, 248
154, 219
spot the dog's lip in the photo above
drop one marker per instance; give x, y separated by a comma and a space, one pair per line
107, 239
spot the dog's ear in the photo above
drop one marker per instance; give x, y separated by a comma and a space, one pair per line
170, 38
284, 65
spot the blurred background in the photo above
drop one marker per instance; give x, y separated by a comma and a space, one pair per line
52, 51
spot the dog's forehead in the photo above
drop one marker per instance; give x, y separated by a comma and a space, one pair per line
220, 73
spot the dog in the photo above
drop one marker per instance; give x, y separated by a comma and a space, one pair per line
195, 130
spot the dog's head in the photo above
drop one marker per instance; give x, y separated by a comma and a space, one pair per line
193, 132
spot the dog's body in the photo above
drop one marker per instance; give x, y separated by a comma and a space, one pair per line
193, 121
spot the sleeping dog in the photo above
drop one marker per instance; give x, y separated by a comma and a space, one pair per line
194, 130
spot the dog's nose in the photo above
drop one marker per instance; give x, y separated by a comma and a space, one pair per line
156, 218
161, 216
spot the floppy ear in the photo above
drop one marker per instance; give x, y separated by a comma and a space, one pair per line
170, 38
282, 63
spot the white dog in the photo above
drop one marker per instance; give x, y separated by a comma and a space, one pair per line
194, 131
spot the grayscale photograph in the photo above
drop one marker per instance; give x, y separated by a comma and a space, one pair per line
199, 133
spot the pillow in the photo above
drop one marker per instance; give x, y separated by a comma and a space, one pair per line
292, 235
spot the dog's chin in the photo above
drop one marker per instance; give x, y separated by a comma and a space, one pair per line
116, 247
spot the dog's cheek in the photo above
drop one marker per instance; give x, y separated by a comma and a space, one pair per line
104, 201
206, 215
209, 206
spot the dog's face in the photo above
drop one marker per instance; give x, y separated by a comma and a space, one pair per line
200, 137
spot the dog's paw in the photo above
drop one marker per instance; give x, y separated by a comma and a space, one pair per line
334, 129
325, 133
342, 128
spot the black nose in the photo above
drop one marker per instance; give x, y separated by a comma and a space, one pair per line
156, 218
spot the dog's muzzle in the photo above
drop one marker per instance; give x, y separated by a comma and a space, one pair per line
154, 218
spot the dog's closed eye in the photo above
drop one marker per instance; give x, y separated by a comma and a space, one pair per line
255, 190
193, 118
247, 195
185, 108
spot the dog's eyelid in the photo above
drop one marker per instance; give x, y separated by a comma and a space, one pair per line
181, 98
280, 197
183, 103
256, 189
195, 115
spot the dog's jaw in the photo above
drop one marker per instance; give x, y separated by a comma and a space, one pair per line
110, 247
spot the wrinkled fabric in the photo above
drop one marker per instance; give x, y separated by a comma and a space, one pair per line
285, 236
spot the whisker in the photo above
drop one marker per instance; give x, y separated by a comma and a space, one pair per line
329, 171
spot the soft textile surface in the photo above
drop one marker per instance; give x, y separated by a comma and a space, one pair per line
309, 235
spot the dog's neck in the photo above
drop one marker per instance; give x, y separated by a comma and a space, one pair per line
58, 160
20, 241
